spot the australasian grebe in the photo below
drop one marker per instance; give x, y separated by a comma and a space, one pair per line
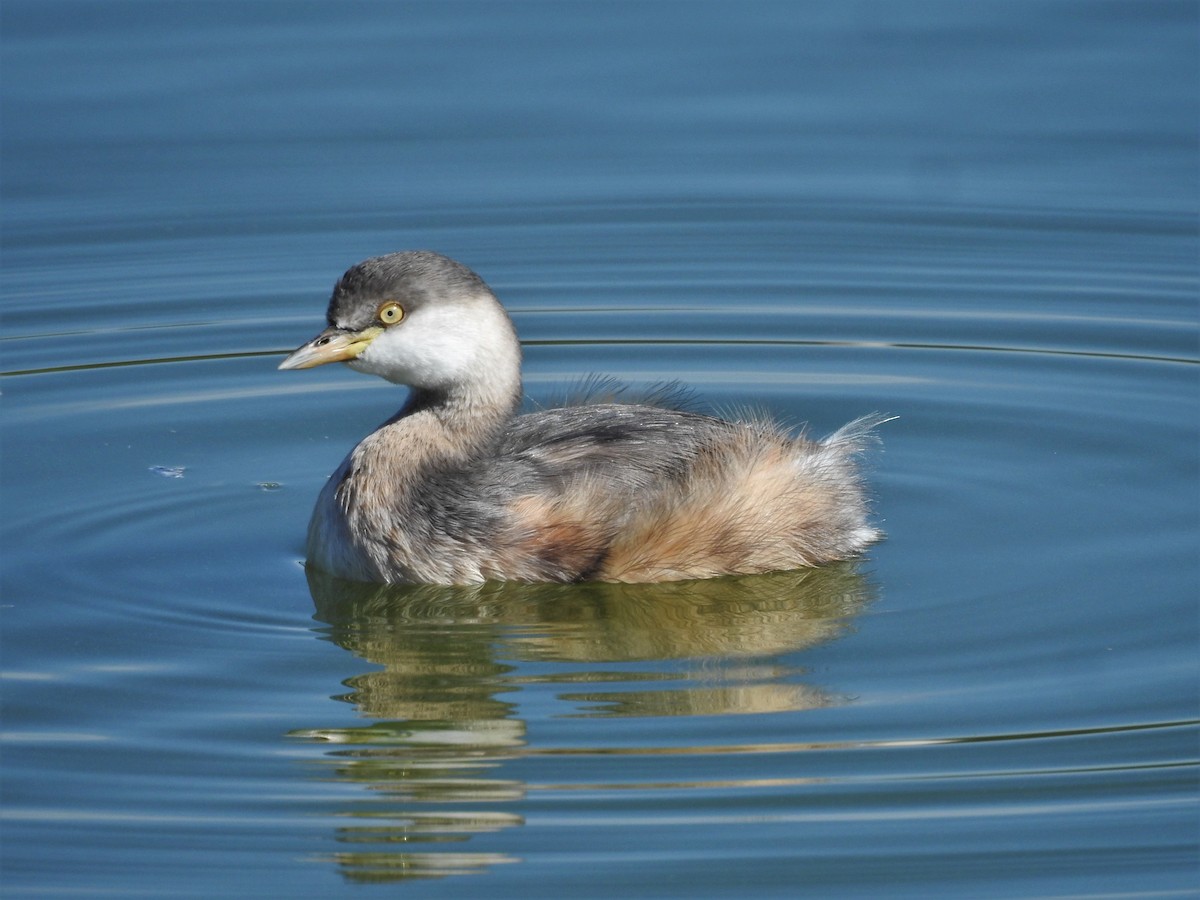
458, 488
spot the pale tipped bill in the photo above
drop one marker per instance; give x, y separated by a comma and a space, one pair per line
331, 345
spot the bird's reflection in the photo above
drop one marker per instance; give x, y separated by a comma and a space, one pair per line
443, 707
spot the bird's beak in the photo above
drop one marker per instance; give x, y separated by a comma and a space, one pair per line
331, 345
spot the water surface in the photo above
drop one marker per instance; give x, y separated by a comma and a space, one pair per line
978, 218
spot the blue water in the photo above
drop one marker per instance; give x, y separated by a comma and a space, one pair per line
981, 218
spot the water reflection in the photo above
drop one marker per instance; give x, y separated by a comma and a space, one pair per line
455, 661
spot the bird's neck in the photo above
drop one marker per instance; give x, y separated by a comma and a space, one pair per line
454, 425
434, 434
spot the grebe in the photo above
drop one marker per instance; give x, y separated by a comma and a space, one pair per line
458, 488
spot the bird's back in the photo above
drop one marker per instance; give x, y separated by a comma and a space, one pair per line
633, 493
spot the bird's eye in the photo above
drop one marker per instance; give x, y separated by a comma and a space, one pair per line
390, 313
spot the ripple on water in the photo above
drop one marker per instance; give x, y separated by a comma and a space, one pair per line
1003, 688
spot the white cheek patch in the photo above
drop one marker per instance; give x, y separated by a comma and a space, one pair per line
441, 345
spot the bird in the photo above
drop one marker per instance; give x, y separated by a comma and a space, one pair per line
459, 487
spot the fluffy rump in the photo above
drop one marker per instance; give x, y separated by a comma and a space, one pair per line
759, 501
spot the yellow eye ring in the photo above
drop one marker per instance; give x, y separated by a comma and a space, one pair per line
390, 313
